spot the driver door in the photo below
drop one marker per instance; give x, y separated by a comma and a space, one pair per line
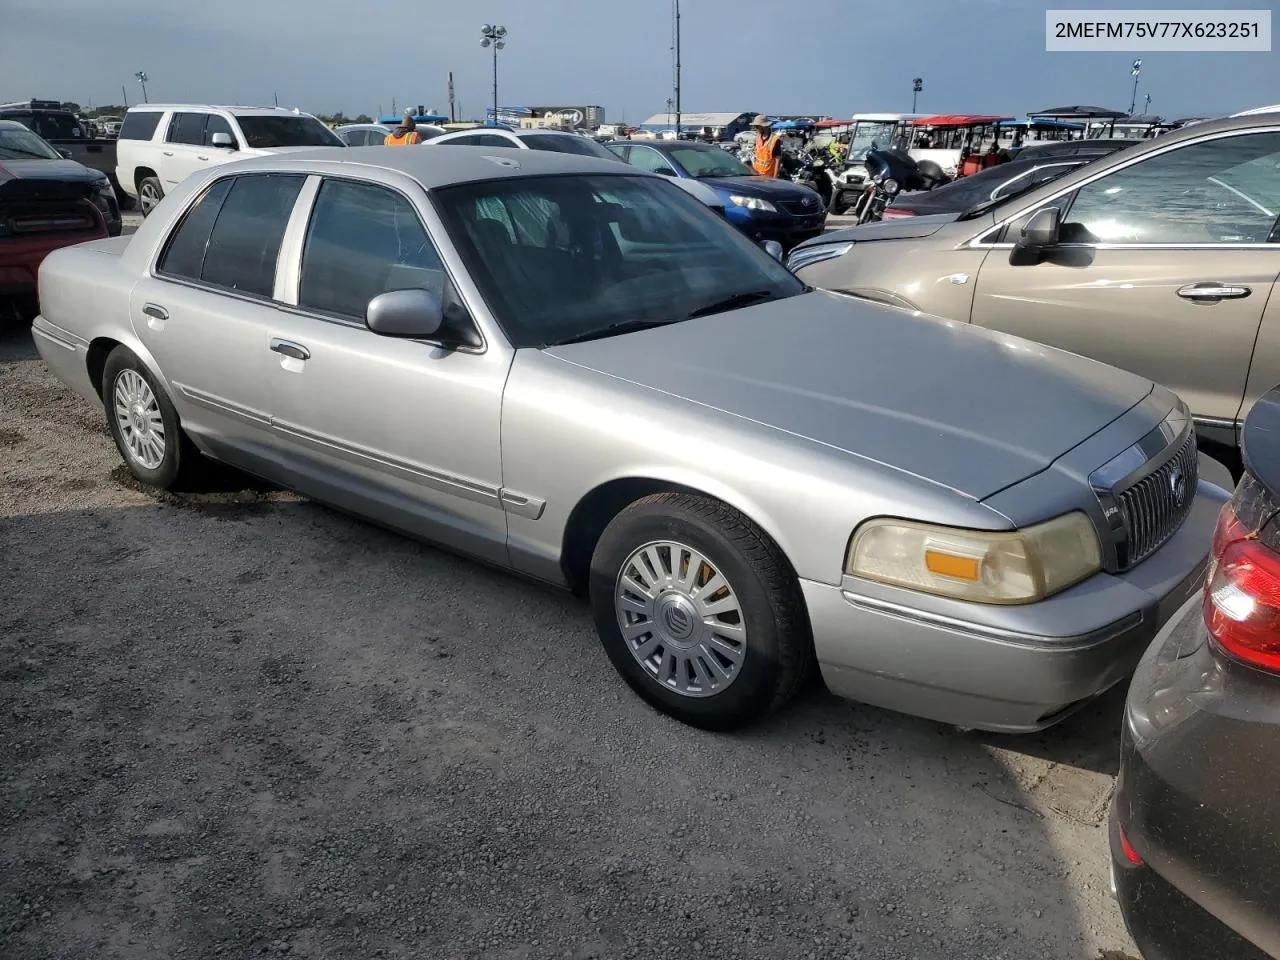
1164, 268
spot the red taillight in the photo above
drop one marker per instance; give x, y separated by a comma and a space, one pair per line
1242, 597
889, 213
1130, 854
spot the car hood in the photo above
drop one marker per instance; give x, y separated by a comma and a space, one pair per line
908, 228
768, 188
36, 179
968, 408
271, 151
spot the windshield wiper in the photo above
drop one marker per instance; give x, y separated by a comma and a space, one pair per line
613, 329
744, 299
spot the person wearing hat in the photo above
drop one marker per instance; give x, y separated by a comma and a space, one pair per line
766, 157
405, 134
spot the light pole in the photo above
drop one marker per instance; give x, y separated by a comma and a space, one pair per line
916, 86
142, 79
492, 35
1136, 72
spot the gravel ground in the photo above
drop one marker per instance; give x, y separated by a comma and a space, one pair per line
237, 723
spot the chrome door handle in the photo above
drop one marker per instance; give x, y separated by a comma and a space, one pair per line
198, 157
290, 349
167, 153
1212, 290
155, 310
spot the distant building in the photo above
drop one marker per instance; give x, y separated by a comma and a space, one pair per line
567, 118
722, 126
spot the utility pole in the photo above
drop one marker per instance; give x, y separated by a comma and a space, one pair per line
1136, 73
917, 84
142, 79
677, 2
124, 93
452, 116
493, 35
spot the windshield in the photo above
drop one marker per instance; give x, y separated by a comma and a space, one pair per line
568, 143
868, 132
19, 143
708, 162
560, 258
277, 131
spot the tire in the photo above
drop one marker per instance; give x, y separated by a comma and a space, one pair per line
145, 426
150, 193
773, 658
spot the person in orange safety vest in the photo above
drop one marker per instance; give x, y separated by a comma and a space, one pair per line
405, 134
766, 158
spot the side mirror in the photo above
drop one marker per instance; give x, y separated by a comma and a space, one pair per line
773, 248
415, 314
65, 153
1039, 234
223, 140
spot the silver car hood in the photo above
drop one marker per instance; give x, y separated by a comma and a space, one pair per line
904, 228
968, 408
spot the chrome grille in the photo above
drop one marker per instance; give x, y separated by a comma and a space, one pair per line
1154, 506
800, 208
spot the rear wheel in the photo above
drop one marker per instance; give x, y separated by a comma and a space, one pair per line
145, 426
150, 193
699, 611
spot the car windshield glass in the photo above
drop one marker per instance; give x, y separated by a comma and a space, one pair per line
19, 143
708, 162
276, 131
869, 132
567, 257
568, 143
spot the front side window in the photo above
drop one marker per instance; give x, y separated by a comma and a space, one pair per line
1216, 191
268, 131
1026, 182
232, 237
186, 128
701, 162
651, 160
364, 240
216, 124
567, 257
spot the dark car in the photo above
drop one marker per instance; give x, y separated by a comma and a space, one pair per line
1044, 149
46, 202
1195, 825
764, 208
994, 183
66, 133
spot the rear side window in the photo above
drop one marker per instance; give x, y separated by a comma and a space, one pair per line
140, 125
231, 237
184, 255
59, 126
246, 238
186, 128
364, 240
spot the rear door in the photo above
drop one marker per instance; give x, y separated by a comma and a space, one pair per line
182, 150
203, 313
1165, 268
405, 432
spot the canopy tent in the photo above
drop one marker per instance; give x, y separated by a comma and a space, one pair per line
828, 124
957, 120
1079, 113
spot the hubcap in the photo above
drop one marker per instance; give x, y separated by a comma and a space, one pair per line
681, 619
148, 197
138, 417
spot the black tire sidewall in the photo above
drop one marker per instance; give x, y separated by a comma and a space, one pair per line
166, 475
755, 689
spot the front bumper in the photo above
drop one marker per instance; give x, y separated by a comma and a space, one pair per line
786, 229
1006, 669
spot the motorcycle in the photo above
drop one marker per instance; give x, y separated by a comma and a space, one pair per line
814, 171
890, 172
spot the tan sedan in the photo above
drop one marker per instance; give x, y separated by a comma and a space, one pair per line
1161, 259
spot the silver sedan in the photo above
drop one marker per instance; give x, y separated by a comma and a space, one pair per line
569, 368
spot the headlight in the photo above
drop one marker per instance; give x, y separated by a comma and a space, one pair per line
890, 186
1022, 566
816, 254
753, 203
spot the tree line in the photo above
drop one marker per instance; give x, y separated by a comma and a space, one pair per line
116, 110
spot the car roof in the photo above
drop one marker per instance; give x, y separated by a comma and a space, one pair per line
197, 107
361, 126
441, 168
666, 146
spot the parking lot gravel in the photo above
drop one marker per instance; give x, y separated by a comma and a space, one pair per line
236, 723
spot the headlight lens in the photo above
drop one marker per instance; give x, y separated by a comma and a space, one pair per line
1021, 566
890, 186
753, 203
816, 254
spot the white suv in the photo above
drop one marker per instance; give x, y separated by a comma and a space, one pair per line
160, 144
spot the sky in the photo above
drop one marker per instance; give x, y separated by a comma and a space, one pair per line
829, 57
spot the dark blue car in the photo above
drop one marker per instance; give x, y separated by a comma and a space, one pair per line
761, 207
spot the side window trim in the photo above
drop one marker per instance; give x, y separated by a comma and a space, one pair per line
976, 240
289, 262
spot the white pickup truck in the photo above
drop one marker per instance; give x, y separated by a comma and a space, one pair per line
161, 144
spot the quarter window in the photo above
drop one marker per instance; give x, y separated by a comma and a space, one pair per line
1217, 191
140, 124
364, 240
184, 255
186, 128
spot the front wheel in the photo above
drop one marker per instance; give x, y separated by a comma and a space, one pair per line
699, 611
